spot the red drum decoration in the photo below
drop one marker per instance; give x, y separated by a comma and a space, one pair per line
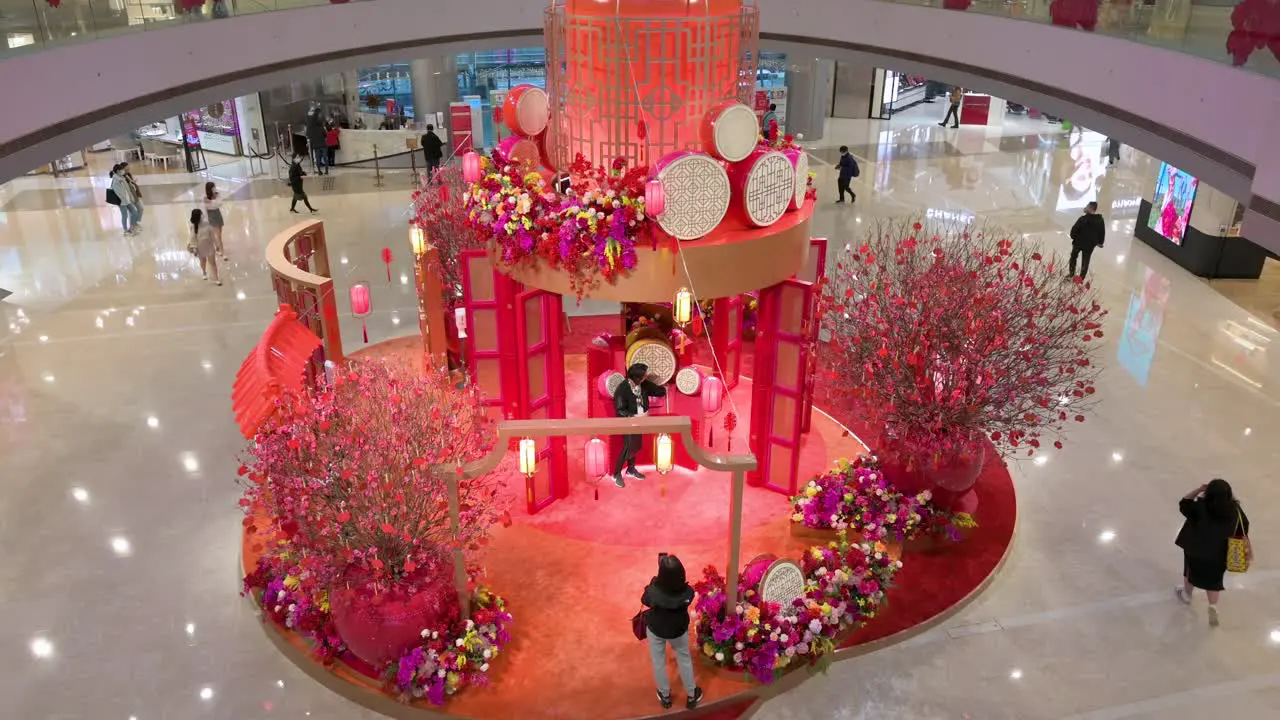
520, 151
597, 455
696, 190
655, 198
712, 395
526, 110
608, 382
764, 185
800, 161
689, 380
729, 131
471, 172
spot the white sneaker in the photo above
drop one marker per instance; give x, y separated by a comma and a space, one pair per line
1213, 616
1181, 593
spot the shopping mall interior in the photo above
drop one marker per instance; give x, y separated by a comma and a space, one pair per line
120, 449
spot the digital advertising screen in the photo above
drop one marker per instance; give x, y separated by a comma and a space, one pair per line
1171, 206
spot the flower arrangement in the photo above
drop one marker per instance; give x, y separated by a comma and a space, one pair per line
845, 583
449, 661
353, 476
589, 231
856, 497
943, 335
438, 208
449, 658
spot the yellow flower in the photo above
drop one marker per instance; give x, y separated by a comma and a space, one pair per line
810, 491
291, 582
322, 601
816, 552
708, 649
753, 615
462, 661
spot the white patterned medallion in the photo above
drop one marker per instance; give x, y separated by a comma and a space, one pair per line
660, 358
689, 380
736, 131
770, 188
697, 194
802, 179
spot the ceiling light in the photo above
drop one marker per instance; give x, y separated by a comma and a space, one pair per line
1015, 674
1107, 536
1116, 457
153, 422
343, 260
1248, 431
130, 321
190, 463
42, 648
191, 628
1119, 259
48, 377
44, 338
121, 546
208, 366
206, 693
279, 683
80, 495
1275, 636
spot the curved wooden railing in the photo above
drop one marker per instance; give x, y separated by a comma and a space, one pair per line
299, 263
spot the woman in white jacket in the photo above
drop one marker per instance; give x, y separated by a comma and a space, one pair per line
204, 246
128, 201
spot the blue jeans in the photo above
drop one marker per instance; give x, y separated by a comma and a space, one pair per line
320, 156
684, 663
129, 216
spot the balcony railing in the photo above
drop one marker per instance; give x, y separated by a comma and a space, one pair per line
1194, 27
33, 25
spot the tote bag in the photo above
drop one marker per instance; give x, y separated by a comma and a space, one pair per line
1237, 548
638, 625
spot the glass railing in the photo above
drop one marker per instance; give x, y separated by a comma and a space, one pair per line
1195, 27
34, 25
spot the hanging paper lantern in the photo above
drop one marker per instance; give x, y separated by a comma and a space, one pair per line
663, 451
682, 307
361, 305
712, 395
597, 458
528, 457
471, 167
417, 238
655, 198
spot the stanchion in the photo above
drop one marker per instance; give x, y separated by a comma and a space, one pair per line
377, 169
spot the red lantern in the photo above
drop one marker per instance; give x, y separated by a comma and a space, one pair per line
597, 453
471, 167
361, 305
712, 395
655, 198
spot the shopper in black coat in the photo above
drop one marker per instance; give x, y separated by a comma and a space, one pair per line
1213, 515
296, 173
668, 597
631, 399
1088, 234
432, 151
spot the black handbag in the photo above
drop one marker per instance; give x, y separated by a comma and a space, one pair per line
112, 197
639, 626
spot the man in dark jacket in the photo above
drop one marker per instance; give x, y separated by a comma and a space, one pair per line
848, 169
432, 151
631, 399
296, 173
316, 141
1088, 233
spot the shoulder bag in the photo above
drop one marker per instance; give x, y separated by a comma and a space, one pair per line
1238, 548
639, 626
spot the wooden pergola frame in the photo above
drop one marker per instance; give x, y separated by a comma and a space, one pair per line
736, 465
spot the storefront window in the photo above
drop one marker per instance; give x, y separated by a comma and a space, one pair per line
383, 83
488, 75
772, 70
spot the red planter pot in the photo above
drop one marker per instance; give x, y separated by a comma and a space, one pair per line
379, 628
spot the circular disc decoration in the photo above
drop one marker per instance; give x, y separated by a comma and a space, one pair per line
689, 380
729, 131
764, 187
526, 110
608, 382
658, 355
800, 161
520, 151
697, 189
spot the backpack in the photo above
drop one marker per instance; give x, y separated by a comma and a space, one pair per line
112, 197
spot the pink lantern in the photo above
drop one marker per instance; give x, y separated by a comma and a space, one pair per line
597, 458
655, 198
471, 167
712, 395
361, 305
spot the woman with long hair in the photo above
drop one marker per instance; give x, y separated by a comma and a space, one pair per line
1213, 516
203, 245
668, 597
212, 204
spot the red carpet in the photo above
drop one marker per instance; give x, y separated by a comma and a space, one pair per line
573, 574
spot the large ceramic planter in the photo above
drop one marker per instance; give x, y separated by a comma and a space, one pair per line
379, 628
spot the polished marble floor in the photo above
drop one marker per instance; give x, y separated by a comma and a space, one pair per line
118, 450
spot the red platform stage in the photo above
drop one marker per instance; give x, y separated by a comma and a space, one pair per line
573, 571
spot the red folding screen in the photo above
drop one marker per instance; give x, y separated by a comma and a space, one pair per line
779, 383
541, 391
